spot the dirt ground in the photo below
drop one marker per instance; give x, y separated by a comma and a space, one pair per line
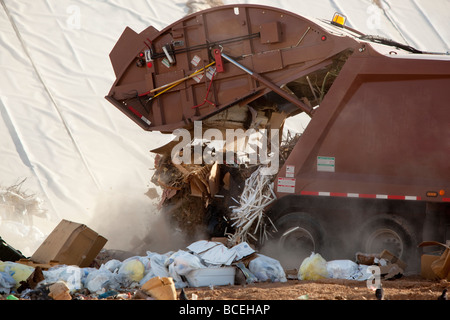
412, 287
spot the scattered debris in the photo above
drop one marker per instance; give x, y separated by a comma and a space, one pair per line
59, 291
436, 265
443, 296
32, 281
389, 265
379, 293
315, 267
182, 295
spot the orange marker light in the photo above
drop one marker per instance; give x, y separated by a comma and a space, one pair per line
338, 19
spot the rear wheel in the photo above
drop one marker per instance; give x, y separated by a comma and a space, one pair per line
298, 235
390, 233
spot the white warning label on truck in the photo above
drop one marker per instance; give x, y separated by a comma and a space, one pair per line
290, 171
286, 185
326, 164
195, 60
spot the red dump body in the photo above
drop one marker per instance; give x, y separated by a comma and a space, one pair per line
380, 110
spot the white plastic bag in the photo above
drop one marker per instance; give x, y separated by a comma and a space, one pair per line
313, 267
184, 262
102, 280
113, 265
180, 264
73, 276
158, 265
342, 269
266, 268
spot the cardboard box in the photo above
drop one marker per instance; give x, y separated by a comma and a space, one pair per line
160, 288
425, 266
435, 266
387, 255
70, 243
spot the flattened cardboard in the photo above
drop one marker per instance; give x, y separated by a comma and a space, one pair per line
70, 243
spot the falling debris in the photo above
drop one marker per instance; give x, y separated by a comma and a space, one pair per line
19, 205
250, 214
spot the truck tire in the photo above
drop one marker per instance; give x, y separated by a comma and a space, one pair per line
298, 235
386, 232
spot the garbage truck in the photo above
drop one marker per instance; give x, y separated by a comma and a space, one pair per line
370, 171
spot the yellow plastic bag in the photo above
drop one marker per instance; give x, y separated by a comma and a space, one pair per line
18, 271
313, 267
133, 268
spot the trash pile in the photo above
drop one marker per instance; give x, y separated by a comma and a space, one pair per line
48, 275
385, 265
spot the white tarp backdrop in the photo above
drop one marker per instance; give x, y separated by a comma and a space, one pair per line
83, 157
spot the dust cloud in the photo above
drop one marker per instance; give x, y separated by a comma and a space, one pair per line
133, 223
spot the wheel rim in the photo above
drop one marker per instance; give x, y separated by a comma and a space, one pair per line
297, 239
385, 239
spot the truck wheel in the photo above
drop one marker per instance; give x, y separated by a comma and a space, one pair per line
388, 233
298, 235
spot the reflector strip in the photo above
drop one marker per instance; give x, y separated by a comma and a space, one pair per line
361, 195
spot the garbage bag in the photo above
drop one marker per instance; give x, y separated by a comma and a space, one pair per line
180, 264
101, 280
113, 265
155, 267
342, 269
313, 267
71, 275
158, 265
19, 271
184, 262
266, 268
133, 269
7, 283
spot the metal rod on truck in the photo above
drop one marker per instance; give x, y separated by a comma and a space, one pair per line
271, 86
